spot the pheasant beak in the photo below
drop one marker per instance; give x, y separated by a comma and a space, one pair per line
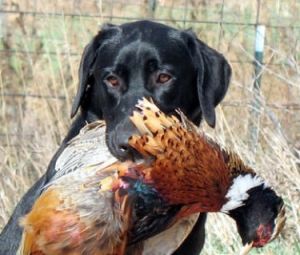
265, 233
246, 248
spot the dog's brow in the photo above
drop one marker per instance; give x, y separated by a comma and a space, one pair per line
139, 48
174, 35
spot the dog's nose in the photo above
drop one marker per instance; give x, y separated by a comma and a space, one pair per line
118, 142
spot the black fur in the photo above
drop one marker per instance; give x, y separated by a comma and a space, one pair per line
136, 53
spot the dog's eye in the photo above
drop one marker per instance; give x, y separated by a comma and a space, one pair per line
112, 81
163, 78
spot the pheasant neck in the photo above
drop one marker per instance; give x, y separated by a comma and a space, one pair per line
238, 192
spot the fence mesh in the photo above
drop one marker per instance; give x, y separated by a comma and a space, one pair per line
41, 43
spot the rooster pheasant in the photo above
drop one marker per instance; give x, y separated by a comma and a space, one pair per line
112, 208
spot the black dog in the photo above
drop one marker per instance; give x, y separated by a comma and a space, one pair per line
121, 65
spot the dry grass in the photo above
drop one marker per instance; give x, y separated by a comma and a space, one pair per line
32, 128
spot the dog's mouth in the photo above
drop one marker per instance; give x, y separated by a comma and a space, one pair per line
129, 153
117, 136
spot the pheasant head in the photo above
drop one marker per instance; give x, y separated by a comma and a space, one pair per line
189, 169
258, 212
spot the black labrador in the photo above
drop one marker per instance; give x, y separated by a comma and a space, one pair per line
121, 65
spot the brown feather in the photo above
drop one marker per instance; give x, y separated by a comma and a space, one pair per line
184, 158
85, 210
75, 216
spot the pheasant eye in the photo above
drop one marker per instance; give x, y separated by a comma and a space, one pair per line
163, 78
112, 81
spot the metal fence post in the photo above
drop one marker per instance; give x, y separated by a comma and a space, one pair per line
255, 107
152, 4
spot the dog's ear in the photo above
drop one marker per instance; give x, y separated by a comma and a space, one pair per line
213, 79
85, 71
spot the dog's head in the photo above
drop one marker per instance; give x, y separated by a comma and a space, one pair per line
146, 59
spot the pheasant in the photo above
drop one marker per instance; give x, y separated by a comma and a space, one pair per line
112, 208
85, 155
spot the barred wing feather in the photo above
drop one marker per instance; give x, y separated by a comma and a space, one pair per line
87, 149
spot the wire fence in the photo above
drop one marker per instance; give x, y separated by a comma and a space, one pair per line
41, 43
31, 30
184, 21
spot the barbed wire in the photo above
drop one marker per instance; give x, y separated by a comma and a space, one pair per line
238, 104
282, 106
38, 52
24, 95
109, 17
73, 54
